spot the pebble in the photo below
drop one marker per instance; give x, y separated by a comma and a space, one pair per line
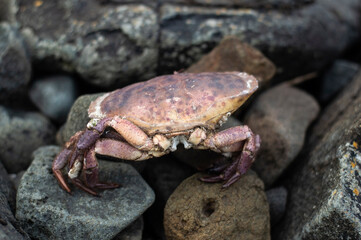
281, 116
46, 211
22, 132
198, 210
54, 96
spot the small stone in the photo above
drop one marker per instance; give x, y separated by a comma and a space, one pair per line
46, 211
21, 133
198, 210
277, 199
337, 77
54, 96
324, 189
281, 117
6, 187
15, 69
233, 55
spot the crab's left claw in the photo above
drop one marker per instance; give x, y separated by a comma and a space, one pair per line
59, 163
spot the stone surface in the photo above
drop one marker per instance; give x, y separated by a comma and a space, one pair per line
286, 37
47, 211
280, 116
233, 55
337, 77
15, 69
7, 11
277, 199
22, 132
163, 174
133, 232
197, 210
107, 44
9, 228
324, 195
54, 96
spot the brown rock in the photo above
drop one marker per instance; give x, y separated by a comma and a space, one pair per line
280, 116
233, 55
198, 210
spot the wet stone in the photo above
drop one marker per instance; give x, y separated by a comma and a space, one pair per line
47, 211
233, 55
15, 69
337, 77
21, 133
198, 210
281, 116
107, 44
324, 192
54, 96
277, 199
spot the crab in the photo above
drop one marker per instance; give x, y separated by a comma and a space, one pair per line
149, 119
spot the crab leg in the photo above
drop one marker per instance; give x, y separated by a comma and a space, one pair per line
229, 139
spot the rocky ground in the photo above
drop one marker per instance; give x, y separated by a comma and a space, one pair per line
56, 57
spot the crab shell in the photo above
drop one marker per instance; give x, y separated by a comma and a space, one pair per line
177, 103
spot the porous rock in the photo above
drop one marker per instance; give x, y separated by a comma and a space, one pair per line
46, 211
107, 44
15, 70
198, 210
324, 191
233, 55
22, 132
287, 37
280, 116
54, 96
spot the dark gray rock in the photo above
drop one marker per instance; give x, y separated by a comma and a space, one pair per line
54, 96
133, 232
163, 175
277, 199
9, 228
324, 191
20, 134
7, 11
47, 211
286, 37
107, 44
280, 116
337, 77
15, 69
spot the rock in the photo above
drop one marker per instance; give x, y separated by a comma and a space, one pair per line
280, 116
277, 199
22, 132
324, 191
163, 174
107, 44
47, 211
15, 69
233, 55
9, 228
54, 96
15, 179
133, 232
7, 188
286, 37
197, 210
7, 11
337, 77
